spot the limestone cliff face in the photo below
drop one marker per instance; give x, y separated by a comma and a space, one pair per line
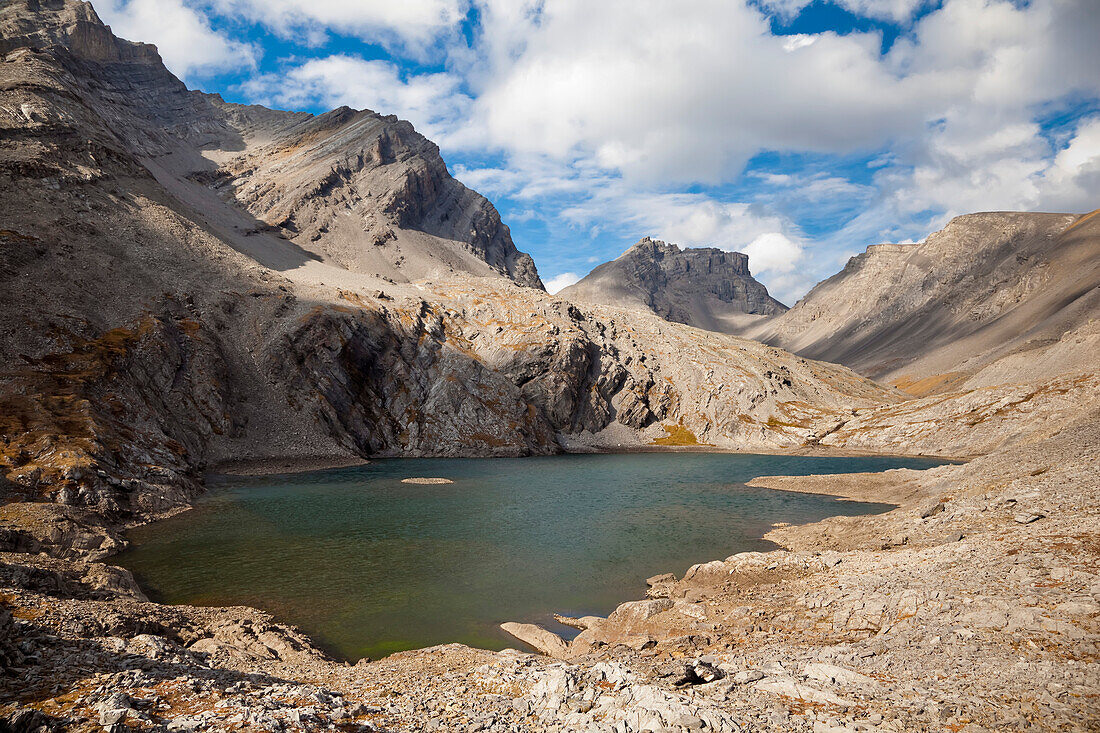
75, 26
707, 287
374, 196
985, 287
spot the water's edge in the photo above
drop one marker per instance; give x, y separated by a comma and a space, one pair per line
760, 542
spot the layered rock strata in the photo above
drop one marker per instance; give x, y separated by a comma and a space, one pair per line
707, 288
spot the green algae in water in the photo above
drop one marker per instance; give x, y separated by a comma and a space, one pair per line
369, 566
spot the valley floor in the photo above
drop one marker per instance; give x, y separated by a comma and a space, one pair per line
972, 606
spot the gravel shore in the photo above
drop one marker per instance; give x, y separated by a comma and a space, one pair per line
972, 606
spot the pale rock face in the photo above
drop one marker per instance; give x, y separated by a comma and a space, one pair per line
372, 195
931, 314
706, 288
72, 25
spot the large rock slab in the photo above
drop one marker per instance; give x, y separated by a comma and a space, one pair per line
545, 641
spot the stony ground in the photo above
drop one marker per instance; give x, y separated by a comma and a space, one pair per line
972, 606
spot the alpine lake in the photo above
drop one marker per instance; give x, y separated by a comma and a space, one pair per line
368, 565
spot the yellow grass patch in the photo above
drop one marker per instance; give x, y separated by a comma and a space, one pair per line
677, 435
929, 385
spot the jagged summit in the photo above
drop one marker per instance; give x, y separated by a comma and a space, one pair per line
353, 190
704, 287
74, 26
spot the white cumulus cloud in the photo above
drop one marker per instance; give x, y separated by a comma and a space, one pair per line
1072, 182
430, 101
405, 25
558, 282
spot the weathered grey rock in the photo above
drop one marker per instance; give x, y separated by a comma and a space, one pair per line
707, 288
584, 622
745, 676
635, 613
931, 510
839, 675
789, 687
110, 716
700, 672
545, 641
660, 579
29, 720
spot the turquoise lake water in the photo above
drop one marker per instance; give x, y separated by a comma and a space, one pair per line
368, 565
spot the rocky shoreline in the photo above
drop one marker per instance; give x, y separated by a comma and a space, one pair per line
955, 611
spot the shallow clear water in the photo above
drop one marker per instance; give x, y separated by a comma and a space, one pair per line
368, 565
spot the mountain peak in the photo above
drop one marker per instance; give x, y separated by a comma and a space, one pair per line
357, 190
68, 24
705, 287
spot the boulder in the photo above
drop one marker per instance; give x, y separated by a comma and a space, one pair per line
545, 641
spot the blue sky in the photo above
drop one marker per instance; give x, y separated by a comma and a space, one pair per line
798, 131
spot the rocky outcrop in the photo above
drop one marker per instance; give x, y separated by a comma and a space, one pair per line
547, 642
58, 531
707, 288
504, 371
72, 25
929, 315
369, 193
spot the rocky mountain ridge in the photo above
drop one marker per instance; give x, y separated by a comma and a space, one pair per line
703, 287
394, 210
986, 287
